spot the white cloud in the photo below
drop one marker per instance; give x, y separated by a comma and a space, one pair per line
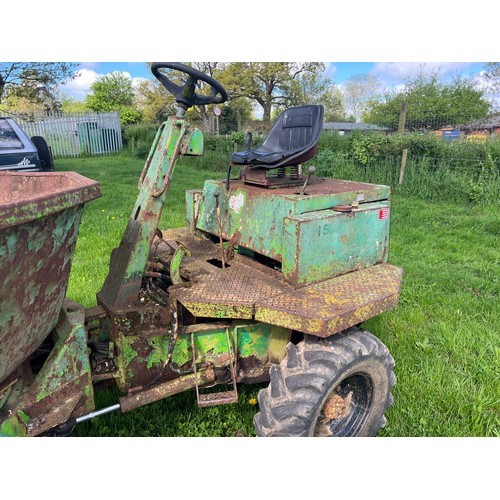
330, 71
491, 89
137, 80
79, 87
393, 73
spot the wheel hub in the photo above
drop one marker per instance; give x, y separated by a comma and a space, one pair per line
346, 407
336, 407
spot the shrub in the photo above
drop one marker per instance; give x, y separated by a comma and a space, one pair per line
237, 138
216, 143
139, 133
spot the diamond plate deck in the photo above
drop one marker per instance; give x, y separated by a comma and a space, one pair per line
249, 290
221, 293
333, 305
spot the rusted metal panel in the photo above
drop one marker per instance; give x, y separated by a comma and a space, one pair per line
331, 306
39, 219
257, 214
213, 291
169, 388
246, 289
228, 293
129, 260
256, 345
27, 197
327, 243
62, 389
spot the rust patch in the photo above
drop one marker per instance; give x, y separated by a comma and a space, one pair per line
316, 186
335, 304
336, 407
39, 221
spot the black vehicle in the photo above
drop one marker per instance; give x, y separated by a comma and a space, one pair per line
19, 152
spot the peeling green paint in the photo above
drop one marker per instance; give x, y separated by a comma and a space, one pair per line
258, 214
129, 260
159, 351
68, 360
13, 426
127, 353
323, 244
38, 254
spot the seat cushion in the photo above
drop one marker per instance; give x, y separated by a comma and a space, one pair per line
295, 132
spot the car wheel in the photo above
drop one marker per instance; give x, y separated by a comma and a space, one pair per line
44, 152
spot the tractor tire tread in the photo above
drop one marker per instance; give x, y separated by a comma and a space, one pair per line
299, 383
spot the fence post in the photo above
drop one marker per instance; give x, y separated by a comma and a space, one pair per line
403, 166
402, 117
401, 130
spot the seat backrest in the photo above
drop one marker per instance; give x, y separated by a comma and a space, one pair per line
296, 129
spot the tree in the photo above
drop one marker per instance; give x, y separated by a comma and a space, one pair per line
431, 104
358, 90
35, 81
114, 92
270, 84
154, 101
70, 105
235, 113
22, 105
110, 93
313, 88
200, 114
493, 74
333, 102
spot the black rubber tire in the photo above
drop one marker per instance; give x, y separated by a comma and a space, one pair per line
62, 430
351, 369
44, 153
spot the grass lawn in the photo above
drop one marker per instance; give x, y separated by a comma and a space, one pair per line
443, 335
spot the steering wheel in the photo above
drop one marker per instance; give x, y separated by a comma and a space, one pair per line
185, 95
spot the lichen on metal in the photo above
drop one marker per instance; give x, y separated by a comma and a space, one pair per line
325, 308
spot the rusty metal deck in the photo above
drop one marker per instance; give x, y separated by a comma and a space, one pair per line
221, 293
249, 290
333, 305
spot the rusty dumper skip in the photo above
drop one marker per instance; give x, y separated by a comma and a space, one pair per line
269, 281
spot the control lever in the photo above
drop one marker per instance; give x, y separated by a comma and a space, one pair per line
310, 171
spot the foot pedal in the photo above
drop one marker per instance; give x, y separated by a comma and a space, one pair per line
221, 397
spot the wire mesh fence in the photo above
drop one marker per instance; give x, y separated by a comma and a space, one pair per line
453, 179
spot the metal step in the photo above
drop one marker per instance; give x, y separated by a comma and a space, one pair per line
217, 398
221, 397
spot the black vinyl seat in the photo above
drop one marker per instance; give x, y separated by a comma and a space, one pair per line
292, 139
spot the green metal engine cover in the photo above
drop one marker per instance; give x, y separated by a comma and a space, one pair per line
323, 244
302, 231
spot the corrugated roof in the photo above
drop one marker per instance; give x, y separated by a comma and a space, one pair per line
492, 122
351, 126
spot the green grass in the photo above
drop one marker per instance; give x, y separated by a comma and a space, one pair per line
443, 335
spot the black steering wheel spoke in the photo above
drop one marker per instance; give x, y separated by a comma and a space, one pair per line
186, 95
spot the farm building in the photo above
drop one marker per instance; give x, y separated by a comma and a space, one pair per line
487, 126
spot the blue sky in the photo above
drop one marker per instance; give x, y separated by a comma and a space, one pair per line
390, 74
